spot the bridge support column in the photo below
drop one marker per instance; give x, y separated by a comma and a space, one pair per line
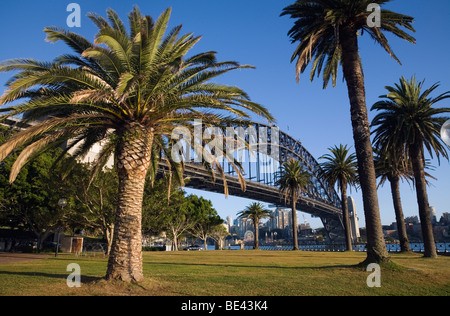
335, 229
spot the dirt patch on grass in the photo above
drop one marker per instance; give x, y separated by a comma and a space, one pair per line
102, 287
8, 258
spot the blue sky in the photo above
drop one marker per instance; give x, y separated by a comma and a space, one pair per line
252, 32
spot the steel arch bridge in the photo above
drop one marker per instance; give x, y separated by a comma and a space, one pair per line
265, 149
260, 160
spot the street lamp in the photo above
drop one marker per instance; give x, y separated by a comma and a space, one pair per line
61, 203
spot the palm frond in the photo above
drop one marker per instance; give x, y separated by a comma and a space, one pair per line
319, 26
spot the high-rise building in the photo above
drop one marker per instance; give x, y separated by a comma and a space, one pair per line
229, 222
281, 218
445, 218
353, 217
243, 225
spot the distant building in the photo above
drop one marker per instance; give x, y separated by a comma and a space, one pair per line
353, 216
242, 226
433, 215
305, 229
445, 218
281, 219
229, 222
412, 220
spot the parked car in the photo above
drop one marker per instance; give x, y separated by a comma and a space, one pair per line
193, 248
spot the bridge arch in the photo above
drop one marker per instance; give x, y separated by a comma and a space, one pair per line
266, 149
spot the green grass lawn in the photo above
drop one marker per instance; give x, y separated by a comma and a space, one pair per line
234, 273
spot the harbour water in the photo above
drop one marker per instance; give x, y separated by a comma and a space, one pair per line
415, 247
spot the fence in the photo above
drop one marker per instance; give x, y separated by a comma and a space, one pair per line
441, 248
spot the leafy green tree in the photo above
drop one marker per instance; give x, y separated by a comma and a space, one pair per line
31, 202
129, 90
327, 32
164, 210
340, 167
177, 219
207, 218
94, 199
293, 180
167, 209
219, 233
408, 123
255, 212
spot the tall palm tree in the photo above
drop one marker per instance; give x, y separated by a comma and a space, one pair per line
393, 167
327, 32
128, 89
340, 168
293, 181
407, 121
255, 212
390, 167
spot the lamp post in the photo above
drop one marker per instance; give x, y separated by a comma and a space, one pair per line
61, 203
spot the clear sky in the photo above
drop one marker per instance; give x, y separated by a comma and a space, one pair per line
252, 32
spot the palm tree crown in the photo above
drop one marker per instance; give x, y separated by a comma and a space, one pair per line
407, 116
340, 167
293, 180
255, 212
321, 27
123, 84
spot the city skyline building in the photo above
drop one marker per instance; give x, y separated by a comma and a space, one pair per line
353, 217
281, 219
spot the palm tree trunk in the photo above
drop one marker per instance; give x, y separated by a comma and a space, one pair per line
401, 229
351, 64
132, 160
255, 223
294, 223
345, 217
422, 199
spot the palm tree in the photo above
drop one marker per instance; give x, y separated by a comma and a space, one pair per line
255, 212
389, 167
293, 181
128, 90
327, 32
341, 168
408, 122
393, 168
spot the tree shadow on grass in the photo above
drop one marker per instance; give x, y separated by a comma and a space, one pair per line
84, 278
222, 265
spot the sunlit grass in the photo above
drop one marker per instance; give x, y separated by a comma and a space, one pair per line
234, 273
